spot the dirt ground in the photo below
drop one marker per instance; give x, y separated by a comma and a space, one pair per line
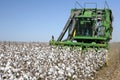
112, 70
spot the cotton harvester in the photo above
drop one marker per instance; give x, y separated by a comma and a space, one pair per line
84, 40
87, 27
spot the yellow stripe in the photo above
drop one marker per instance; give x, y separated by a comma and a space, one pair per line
74, 33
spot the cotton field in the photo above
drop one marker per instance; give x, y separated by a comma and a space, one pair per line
40, 61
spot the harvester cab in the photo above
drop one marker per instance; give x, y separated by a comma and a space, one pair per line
87, 27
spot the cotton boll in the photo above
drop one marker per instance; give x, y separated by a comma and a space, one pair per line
61, 72
39, 60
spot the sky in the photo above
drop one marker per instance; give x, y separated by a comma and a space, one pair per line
38, 20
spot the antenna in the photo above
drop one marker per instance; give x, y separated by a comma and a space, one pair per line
77, 3
106, 4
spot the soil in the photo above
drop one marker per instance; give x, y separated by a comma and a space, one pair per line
112, 70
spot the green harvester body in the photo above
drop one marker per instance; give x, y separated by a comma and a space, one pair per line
87, 27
